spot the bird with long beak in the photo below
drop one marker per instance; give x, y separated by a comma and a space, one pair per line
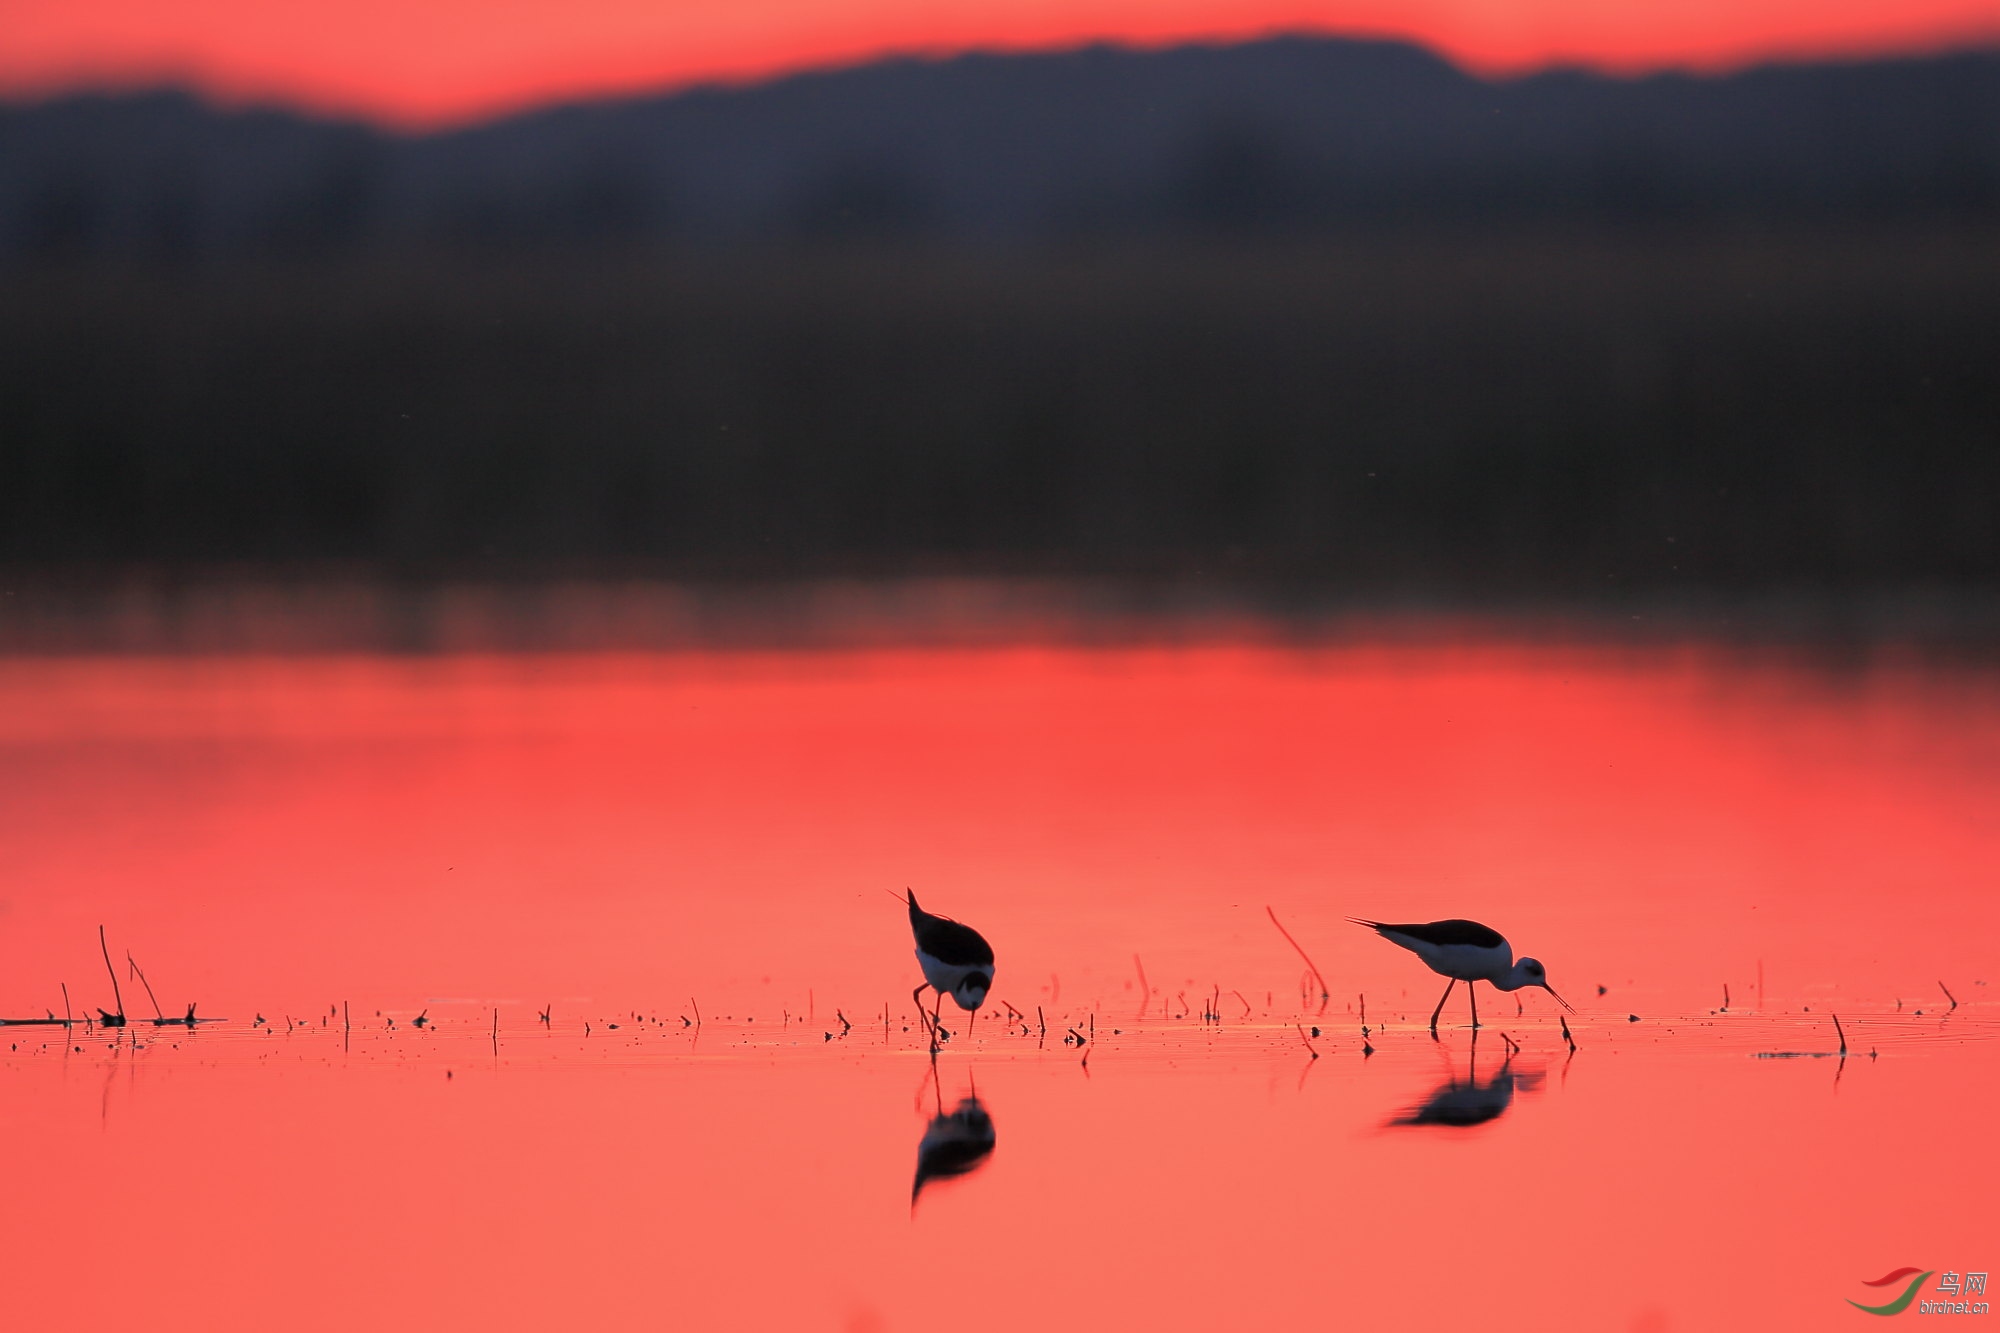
1465, 951
956, 959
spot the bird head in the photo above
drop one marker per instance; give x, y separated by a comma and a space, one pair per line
971, 990
1532, 973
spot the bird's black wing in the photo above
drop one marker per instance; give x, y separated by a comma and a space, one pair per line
946, 940
949, 942
1453, 931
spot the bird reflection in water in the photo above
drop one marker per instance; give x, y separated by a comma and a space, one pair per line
1471, 1100
954, 1144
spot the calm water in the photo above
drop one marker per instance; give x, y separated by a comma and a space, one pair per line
338, 846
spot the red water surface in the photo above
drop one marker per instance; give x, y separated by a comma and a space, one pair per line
627, 838
292, 832
447, 61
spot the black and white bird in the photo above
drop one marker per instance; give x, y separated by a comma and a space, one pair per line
1465, 951
956, 959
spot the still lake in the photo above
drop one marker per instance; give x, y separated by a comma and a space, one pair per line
687, 859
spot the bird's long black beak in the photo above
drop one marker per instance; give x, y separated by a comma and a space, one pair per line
1559, 999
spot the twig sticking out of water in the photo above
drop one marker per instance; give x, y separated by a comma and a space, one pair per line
845, 1026
1948, 995
1145, 991
496, 1030
1324, 993
1725, 995
1513, 1047
116, 1020
1247, 1010
1843, 1036
1301, 1027
544, 1015
133, 964
1566, 1037
696, 1006
1043, 1034
66, 1018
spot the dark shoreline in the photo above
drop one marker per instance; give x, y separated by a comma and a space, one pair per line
1528, 417
305, 617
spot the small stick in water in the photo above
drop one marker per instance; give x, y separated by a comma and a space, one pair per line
1145, 991
1843, 1034
67, 1021
1324, 994
139, 972
1948, 995
119, 1019
1566, 1037
1725, 995
1302, 1032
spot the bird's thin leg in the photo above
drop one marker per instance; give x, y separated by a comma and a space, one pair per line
1440, 1009
937, 1019
1475, 1005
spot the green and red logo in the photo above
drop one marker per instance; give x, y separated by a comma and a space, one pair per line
1951, 1289
1914, 1277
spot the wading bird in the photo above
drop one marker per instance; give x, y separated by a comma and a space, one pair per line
956, 960
1465, 951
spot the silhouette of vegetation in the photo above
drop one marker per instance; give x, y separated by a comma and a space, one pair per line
1462, 413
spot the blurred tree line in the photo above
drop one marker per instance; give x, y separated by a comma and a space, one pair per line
1450, 412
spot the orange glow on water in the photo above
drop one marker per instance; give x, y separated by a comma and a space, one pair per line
626, 838
588, 826
449, 60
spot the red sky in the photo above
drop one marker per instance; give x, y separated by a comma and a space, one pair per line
429, 62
